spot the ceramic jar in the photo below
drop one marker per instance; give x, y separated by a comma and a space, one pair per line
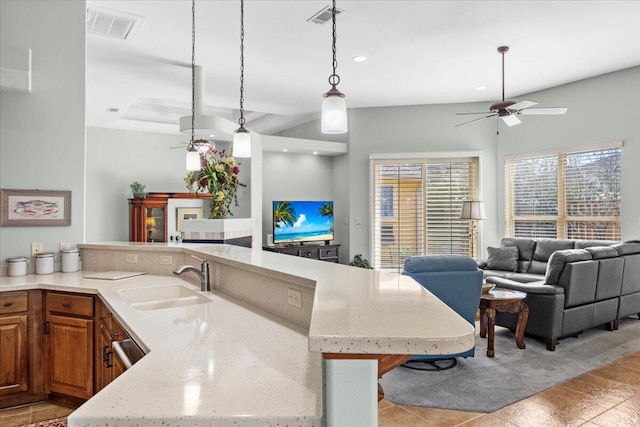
44, 263
17, 266
70, 260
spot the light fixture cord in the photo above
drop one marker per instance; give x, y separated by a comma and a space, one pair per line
334, 79
193, 72
241, 119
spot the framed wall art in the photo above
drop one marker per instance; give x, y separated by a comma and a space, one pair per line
34, 208
185, 214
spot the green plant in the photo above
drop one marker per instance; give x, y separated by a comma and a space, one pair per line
358, 261
138, 189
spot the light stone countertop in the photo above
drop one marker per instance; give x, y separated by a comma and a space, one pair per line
227, 363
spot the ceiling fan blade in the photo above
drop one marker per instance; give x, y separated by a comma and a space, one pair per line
540, 111
475, 120
479, 112
522, 104
511, 120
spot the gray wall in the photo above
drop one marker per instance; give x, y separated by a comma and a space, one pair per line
42, 133
600, 109
294, 177
116, 158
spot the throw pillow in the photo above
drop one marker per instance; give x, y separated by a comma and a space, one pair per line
505, 259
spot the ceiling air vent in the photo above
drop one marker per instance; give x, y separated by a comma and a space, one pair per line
112, 23
324, 15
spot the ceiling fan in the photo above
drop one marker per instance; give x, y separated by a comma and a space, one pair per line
509, 110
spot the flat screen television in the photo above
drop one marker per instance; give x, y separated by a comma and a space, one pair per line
302, 221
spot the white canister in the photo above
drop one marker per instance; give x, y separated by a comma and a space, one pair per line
44, 263
70, 260
17, 266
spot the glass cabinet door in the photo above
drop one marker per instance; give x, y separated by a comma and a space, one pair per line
155, 224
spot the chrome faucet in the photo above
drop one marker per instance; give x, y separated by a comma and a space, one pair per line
203, 273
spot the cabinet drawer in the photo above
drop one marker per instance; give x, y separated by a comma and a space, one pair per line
70, 304
308, 253
328, 253
14, 302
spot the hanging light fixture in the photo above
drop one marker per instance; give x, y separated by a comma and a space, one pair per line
199, 122
241, 138
334, 106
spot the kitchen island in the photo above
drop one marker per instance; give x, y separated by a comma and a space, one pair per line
249, 358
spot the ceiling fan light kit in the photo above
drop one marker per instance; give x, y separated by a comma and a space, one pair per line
508, 110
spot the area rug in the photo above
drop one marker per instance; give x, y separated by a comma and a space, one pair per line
56, 422
484, 384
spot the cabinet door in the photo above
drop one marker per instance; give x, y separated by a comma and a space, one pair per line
70, 352
13, 354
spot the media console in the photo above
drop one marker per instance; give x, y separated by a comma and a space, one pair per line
321, 252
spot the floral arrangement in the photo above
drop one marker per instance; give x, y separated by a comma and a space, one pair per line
218, 175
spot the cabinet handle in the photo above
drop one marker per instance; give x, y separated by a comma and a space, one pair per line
113, 336
103, 317
106, 356
8, 304
66, 305
46, 327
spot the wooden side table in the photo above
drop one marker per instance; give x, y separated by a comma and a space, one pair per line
506, 301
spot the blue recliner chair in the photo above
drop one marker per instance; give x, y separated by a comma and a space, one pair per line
457, 281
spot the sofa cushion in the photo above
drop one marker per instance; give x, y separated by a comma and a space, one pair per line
627, 248
544, 249
525, 246
583, 244
505, 259
602, 252
495, 273
525, 277
559, 259
538, 287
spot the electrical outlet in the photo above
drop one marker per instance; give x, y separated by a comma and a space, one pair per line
131, 258
294, 298
64, 245
36, 248
166, 260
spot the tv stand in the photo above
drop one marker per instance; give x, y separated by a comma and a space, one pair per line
320, 252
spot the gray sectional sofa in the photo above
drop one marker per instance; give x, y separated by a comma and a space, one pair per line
571, 285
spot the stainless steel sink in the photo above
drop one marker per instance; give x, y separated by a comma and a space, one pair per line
159, 297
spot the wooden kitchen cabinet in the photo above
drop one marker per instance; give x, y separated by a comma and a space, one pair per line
69, 342
148, 216
107, 330
21, 375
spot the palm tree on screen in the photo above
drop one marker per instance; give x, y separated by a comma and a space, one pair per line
326, 210
284, 213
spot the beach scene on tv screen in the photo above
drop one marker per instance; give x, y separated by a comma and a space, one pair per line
302, 221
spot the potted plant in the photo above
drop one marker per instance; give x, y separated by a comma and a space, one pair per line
358, 261
137, 190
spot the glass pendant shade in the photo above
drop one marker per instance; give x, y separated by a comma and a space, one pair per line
334, 114
242, 144
193, 160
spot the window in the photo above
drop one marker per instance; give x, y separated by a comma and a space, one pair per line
568, 194
416, 208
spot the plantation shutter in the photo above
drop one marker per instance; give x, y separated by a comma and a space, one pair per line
416, 208
565, 194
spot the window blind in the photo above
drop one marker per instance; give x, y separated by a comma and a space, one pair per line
571, 194
416, 207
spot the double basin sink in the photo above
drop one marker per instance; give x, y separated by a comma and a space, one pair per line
159, 297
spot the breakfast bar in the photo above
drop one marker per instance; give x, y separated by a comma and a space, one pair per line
246, 356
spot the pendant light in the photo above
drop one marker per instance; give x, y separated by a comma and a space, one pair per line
241, 138
334, 106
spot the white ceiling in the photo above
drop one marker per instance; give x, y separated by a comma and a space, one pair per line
419, 52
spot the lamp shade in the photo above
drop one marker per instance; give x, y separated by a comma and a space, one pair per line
193, 160
334, 114
472, 209
241, 144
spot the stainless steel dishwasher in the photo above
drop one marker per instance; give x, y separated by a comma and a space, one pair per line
128, 352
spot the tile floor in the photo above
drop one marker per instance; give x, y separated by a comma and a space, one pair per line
605, 397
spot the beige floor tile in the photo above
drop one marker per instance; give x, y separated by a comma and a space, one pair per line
443, 417
49, 411
384, 403
619, 416
619, 373
573, 403
529, 413
601, 388
489, 420
632, 361
14, 417
397, 416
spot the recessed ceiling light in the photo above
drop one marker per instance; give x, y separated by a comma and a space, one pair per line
211, 135
481, 88
359, 58
285, 150
315, 152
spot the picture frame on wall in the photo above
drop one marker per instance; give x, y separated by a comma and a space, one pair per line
185, 214
23, 208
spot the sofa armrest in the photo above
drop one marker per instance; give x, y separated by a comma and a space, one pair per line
539, 287
482, 264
